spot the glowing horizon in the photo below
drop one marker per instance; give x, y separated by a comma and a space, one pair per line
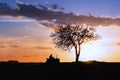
30, 49
25, 32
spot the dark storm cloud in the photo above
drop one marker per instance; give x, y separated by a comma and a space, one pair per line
6, 10
50, 14
54, 7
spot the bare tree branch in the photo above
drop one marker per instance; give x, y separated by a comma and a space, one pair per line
68, 36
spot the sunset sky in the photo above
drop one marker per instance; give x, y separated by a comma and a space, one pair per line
26, 25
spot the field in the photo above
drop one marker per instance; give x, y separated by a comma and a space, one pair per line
61, 71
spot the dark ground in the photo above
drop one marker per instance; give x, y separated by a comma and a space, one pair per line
60, 71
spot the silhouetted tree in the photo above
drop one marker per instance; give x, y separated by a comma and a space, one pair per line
68, 36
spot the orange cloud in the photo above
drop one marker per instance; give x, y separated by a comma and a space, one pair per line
2, 46
38, 47
15, 46
118, 43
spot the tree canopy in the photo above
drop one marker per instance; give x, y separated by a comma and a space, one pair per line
68, 36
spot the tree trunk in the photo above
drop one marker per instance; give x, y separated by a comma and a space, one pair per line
76, 54
77, 58
77, 51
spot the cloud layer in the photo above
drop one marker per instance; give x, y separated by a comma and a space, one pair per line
50, 14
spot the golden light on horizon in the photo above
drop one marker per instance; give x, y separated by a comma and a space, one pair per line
37, 47
100, 50
92, 51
